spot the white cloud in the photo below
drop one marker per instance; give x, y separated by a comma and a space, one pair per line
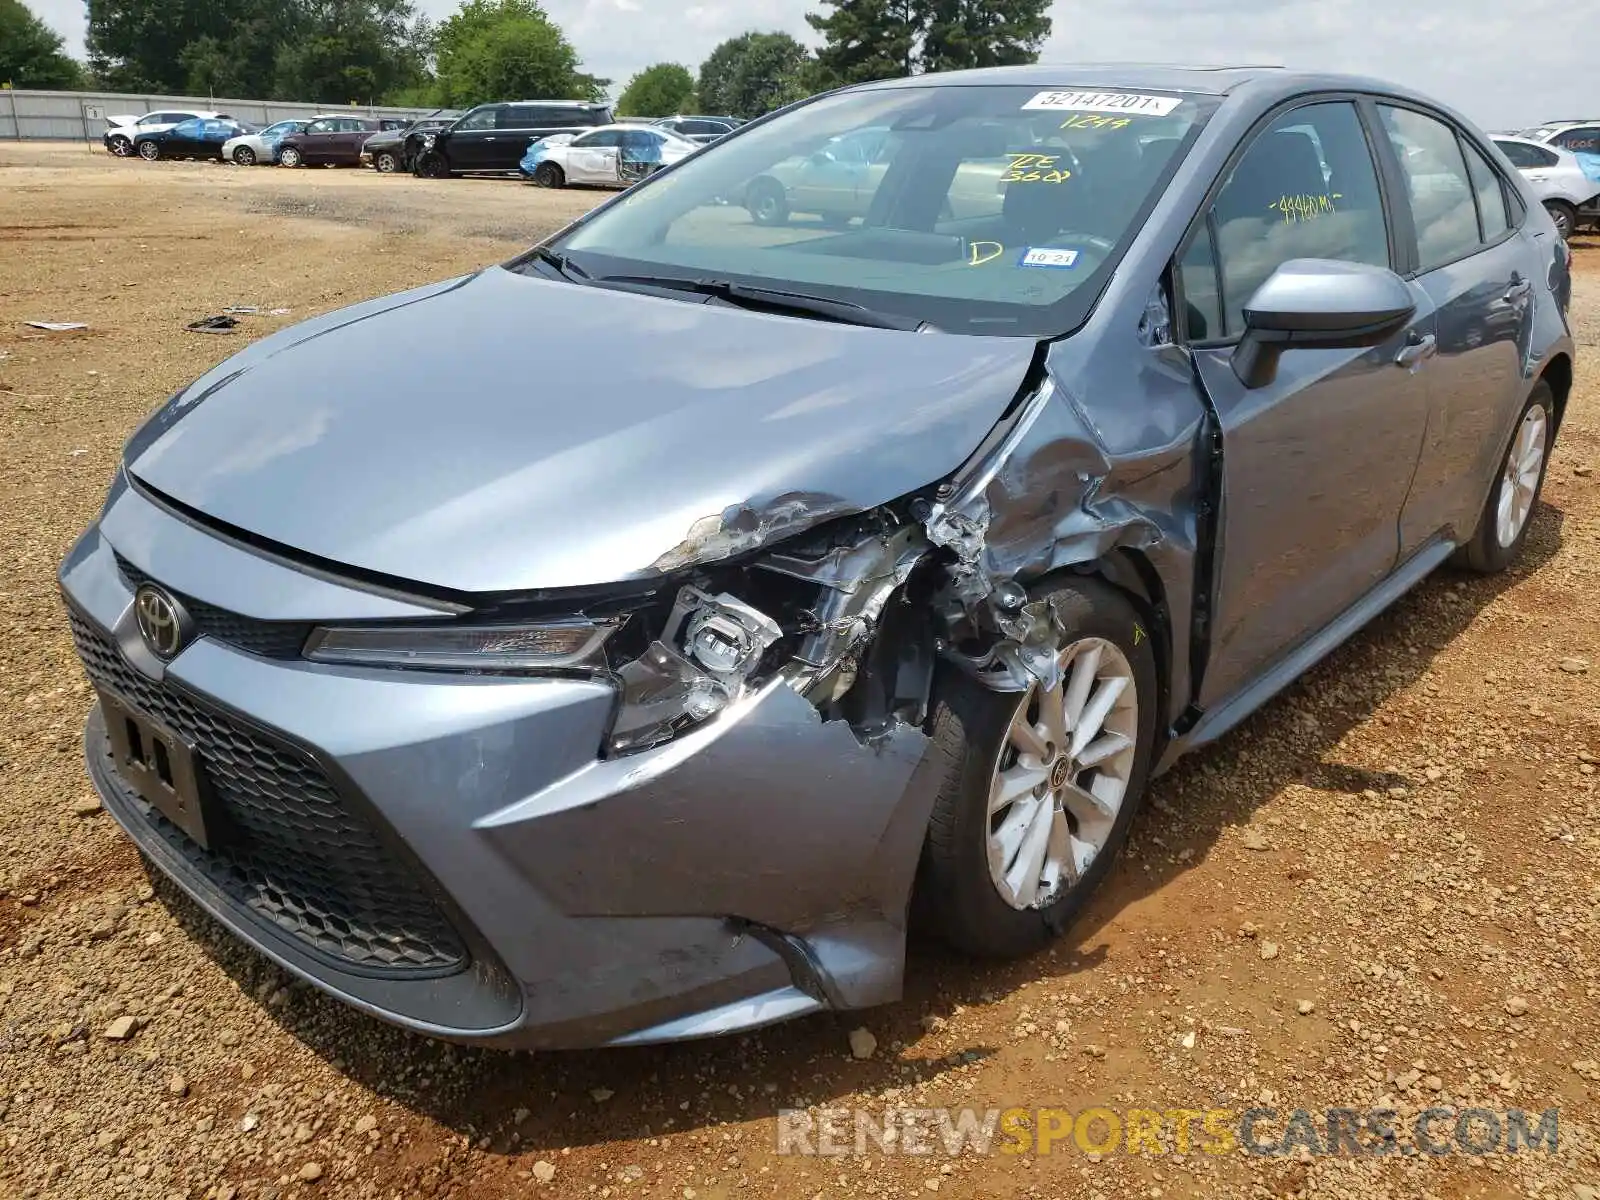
1474, 54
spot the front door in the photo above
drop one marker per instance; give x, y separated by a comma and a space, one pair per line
1316, 464
319, 140
1473, 268
471, 141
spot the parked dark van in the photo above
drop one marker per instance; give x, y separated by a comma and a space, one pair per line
494, 137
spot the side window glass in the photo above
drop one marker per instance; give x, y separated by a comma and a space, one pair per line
320, 127
1491, 196
1583, 141
1197, 273
482, 119
1436, 176
1306, 188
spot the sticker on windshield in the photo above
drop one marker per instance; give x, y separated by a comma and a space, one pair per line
1048, 256
1105, 102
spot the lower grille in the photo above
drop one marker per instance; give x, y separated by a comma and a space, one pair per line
296, 856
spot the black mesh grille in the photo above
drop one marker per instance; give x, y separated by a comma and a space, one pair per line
270, 639
294, 854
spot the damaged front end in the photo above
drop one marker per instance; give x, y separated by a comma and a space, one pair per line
852, 613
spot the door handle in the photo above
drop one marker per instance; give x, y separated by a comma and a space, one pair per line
1519, 289
1418, 348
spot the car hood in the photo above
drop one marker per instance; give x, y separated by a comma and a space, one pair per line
505, 432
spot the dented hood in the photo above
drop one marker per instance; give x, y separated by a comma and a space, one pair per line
505, 432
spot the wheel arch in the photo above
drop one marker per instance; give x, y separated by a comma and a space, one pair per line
1557, 375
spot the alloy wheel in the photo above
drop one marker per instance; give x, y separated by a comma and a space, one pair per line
289, 157
244, 156
121, 147
149, 151
1062, 775
1520, 480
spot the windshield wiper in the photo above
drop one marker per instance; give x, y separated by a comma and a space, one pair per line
771, 300
562, 263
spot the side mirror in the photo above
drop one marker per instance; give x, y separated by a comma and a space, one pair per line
1318, 303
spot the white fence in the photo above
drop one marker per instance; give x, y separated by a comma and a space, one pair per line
30, 115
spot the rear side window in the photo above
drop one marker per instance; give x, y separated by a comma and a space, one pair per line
1490, 193
1520, 154
1306, 188
1442, 205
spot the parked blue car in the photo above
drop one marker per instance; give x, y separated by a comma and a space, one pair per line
855, 565
198, 137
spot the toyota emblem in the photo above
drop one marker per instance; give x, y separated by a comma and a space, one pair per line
163, 624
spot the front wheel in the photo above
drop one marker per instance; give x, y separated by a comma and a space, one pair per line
149, 151
548, 175
121, 147
431, 165
767, 203
1042, 786
290, 156
1565, 217
1508, 512
244, 156
386, 161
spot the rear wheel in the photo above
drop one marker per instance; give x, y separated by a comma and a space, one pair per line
149, 151
549, 175
290, 156
1564, 215
244, 156
1508, 512
386, 161
1041, 787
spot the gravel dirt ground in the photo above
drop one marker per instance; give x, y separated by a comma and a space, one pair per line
1384, 891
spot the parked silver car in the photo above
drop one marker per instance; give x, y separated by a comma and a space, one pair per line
698, 601
1566, 182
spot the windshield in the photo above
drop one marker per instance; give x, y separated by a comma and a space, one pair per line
976, 209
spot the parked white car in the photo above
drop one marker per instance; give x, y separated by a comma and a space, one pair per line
122, 129
1568, 187
608, 156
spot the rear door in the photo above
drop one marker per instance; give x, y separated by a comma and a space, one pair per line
518, 125
1476, 269
1317, 463
354, 131
592, 157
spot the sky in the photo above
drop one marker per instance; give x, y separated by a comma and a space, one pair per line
1505, 65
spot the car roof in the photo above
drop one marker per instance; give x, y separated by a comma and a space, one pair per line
1266, 82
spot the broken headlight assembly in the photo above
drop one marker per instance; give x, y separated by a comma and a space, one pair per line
706, 654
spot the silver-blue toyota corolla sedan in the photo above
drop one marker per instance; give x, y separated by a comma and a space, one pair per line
837, 530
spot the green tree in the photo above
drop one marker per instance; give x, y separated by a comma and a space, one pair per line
868, 39
753, 74
507, 50
659, 91
351, 50
983, 33
30, 51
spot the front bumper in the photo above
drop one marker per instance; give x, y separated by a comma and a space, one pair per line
753, 870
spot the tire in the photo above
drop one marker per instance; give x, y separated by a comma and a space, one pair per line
1565, 217
1497, 543
386, 162
549, 175
957, 895
121, 147
148, 151
431, 165
767, 202
244, 156
290, 156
